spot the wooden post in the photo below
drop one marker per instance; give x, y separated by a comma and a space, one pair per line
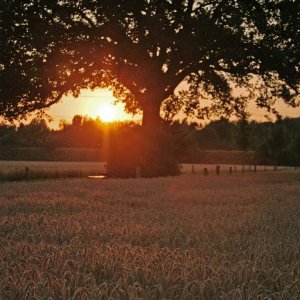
218, 170
276, 163
205, 171
138, 172
26, 173
254, 168
230, 170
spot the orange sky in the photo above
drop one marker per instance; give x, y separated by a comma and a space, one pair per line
98, 104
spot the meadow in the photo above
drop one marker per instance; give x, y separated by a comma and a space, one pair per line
16, 170
32, 170
185, 237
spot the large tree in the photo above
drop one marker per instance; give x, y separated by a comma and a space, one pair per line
226, 52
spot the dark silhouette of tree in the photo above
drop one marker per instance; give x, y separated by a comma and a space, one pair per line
295, 150
265, 142
77, 121
7, 134
218, 134
208, 138
243, 134
35, 133
277, 141
144, 49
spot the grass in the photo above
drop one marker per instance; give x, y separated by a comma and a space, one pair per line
16, 170
187, 237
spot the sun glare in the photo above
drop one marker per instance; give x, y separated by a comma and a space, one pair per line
107, 113
94, 104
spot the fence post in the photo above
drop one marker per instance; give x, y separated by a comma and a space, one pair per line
254, 168
230, 170
138, 172
26, 173
218, 170
205, 171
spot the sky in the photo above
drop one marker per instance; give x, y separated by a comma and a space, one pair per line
99, 103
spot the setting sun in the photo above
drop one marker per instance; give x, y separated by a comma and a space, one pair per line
97, 103
107, 113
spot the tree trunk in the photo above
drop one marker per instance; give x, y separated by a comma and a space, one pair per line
151, 116
159, 158
150, 148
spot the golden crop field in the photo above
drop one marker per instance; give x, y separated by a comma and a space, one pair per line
185, 237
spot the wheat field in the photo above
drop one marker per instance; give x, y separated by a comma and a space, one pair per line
186, 237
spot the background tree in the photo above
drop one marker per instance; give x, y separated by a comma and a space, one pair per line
243, 136
35, 133
276, 142
7, 134
218, 134
295, 151
187, 142
144, 50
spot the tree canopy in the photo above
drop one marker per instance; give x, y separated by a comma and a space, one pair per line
145, 49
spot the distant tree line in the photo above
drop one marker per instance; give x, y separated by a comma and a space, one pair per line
272, 142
